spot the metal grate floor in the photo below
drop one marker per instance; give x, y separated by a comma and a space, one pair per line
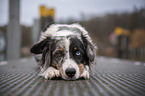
113, 77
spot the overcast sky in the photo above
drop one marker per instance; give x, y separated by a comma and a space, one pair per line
29, 9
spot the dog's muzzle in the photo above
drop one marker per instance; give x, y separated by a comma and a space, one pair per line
70, 72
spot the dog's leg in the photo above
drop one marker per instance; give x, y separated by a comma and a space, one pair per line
85, 74
51, 72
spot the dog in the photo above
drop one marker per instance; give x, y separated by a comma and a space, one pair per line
65, 51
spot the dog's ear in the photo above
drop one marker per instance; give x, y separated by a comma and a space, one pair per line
90, 49
44, 47
39, 47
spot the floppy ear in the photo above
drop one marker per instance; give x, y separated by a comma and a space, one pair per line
90, 51
39, 47
44, 47
89, 48
46, 57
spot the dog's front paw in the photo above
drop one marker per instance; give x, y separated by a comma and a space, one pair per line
50, 73
85, 74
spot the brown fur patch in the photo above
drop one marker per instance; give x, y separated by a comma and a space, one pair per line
61, 49
81, 67
75, 48
56, 65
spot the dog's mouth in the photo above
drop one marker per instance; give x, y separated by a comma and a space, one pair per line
69, 74
68, 78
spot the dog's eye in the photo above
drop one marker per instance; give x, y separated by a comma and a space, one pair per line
58, 54
78, 53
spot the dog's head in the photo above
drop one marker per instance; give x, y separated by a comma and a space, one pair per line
67, 48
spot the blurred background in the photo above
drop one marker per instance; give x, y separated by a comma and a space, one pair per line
117, 27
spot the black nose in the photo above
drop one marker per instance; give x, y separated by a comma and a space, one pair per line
70, 72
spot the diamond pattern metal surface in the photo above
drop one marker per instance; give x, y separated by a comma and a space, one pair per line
113, 77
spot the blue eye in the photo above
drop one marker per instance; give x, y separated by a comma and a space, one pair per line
78, 53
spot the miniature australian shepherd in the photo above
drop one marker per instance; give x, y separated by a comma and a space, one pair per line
65, 51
